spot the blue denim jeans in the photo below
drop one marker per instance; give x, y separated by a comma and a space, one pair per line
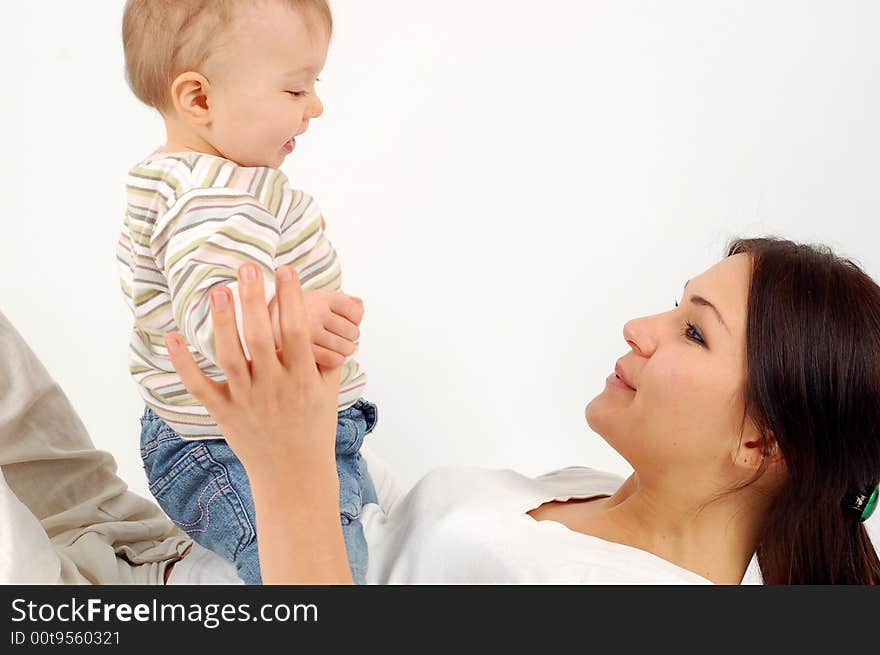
204, 489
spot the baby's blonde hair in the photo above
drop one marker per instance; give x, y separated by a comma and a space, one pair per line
164, 38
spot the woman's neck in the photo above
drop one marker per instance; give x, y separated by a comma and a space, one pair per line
715, 540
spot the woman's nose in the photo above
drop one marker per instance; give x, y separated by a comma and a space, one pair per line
640, 337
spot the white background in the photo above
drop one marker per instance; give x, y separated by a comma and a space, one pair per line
507, 182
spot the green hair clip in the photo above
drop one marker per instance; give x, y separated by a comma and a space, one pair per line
866, 503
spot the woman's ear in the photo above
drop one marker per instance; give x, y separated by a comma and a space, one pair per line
190, 96
760, 450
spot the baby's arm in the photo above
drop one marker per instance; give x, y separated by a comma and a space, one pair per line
203, 240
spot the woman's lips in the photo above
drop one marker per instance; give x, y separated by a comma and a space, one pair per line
618, 379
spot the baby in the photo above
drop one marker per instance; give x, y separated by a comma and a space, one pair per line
234, 81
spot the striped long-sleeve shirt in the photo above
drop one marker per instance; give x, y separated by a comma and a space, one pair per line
192, 219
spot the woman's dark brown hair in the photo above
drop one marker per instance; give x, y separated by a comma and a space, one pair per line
813, 344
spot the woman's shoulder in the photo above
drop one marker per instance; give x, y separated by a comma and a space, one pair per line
578, 476
477, 484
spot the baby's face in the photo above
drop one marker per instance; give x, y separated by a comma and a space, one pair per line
263, 83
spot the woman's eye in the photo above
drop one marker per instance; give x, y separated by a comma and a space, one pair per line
693, 333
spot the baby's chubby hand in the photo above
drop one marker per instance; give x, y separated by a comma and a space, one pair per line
334, 318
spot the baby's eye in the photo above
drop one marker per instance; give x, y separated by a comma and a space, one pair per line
298, 94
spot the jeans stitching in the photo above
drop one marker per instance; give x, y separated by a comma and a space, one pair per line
165, 433
237, 506
361, 419
206, 510
355, 498
177, 468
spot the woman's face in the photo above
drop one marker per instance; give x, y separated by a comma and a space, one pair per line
674, 409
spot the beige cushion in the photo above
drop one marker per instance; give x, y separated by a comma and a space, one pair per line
100, 532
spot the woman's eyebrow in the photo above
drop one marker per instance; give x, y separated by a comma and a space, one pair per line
699, 300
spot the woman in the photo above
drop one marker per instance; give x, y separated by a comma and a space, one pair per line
750, 413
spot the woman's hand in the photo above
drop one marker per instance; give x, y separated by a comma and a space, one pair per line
278, 413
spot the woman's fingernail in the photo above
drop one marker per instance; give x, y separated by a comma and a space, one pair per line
248, 273
220, 299
284, 274
172, 344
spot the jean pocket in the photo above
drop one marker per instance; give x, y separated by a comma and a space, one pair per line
197, 493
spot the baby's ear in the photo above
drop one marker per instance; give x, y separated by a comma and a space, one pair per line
190, 95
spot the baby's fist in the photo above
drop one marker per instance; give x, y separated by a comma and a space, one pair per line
334, 318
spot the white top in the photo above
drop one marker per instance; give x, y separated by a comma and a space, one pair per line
470, 526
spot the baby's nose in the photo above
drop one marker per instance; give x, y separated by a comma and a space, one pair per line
317, 107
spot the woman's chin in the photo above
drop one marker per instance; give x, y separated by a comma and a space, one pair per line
594, 414
604, 416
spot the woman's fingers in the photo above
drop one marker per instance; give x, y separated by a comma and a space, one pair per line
206, 391
256, 324
295, 338
227, 343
